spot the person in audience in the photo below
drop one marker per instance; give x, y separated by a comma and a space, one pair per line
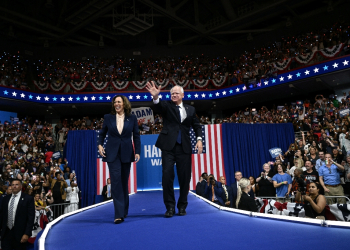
320, 161
310, 174
227, 195
244, 201
200, 187
296, 165
234, 186
312, 155
72, 197
39, 203
58, 186
330, 179
315, 202
107, 191
122, 127
265, 183
8, 192
282, 182
255, 187
298, 184
214, 191
347, 175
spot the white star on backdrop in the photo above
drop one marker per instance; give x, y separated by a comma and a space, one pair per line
217, 94
224, 93
335, 65
23, 95
93, 98
108, 98
14, 94
130, 97
345, 62
85, 98
138, 97
290, 76
38, 98
62, 99
46, 98
237, 89
307, 72
316, 70
244, 88
70, 98
196, 95
160, 96
281, 78
203, 95
266, 82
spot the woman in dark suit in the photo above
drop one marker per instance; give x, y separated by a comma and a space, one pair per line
121, 126
244, 201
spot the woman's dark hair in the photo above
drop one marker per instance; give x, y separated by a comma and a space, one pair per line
319, 187
126, 103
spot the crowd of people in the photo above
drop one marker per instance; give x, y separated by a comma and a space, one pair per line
31, 152
249, 66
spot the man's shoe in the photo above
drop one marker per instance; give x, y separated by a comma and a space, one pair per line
169, 212
182, 212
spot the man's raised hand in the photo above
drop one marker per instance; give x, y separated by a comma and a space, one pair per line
153, 90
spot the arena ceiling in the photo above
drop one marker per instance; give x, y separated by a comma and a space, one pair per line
172, 22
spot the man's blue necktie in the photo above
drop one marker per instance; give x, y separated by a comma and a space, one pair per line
178, 140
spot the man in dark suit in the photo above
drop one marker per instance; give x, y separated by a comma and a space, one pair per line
234, 186
174, 141
227, 194
200, 187
214, 190
106, 191
17, 215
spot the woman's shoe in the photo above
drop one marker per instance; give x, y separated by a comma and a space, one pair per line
118, 221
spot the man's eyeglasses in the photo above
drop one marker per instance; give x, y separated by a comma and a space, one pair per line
330, 170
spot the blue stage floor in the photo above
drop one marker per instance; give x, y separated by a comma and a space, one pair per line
203, 227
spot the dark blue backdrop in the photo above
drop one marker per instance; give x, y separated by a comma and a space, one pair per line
81, 153
246, 146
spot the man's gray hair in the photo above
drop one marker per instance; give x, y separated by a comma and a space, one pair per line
181, 88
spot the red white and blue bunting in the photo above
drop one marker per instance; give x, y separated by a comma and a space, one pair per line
283, 65
333, 51
122, 85
304, 59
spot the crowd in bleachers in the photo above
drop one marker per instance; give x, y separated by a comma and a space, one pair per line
249, 66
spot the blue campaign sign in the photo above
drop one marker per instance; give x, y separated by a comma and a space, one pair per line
344, 112
149, 168
275, 152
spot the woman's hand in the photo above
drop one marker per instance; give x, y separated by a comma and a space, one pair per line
307, 198
101, 150
137, 158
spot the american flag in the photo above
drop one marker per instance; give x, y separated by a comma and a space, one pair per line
211, 160
103, 172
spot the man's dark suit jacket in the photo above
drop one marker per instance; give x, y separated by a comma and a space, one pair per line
24, 218
172, 125
200, 188
234, 193
118, 141
104, 190
247, 203
217, 191
229, 193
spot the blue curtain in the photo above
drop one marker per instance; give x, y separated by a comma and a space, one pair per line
246, 146
81, 153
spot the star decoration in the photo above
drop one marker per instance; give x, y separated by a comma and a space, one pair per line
244, 88
138, 97
167, 96
210, 95
93, 98
273, 80
259, 84
62, 99
217, 93
130, 97
145, 97
14, 93
224, 93
298, 74
281, 79
316, 70
335, 65
346, 62
38, 98
196, 95
237, 89
307, 72
251, 86
325, 67
231, 91
46, 98
189, 95
54, 99
160, 96
290, 76
23, 95
266, 82
78, 98
5, 92
203, 95
100, 98
108, 98
85, 98
70, 98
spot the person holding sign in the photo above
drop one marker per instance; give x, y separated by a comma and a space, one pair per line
121, 126
174, 141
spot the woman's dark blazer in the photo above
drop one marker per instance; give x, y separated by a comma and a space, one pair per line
122, 142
